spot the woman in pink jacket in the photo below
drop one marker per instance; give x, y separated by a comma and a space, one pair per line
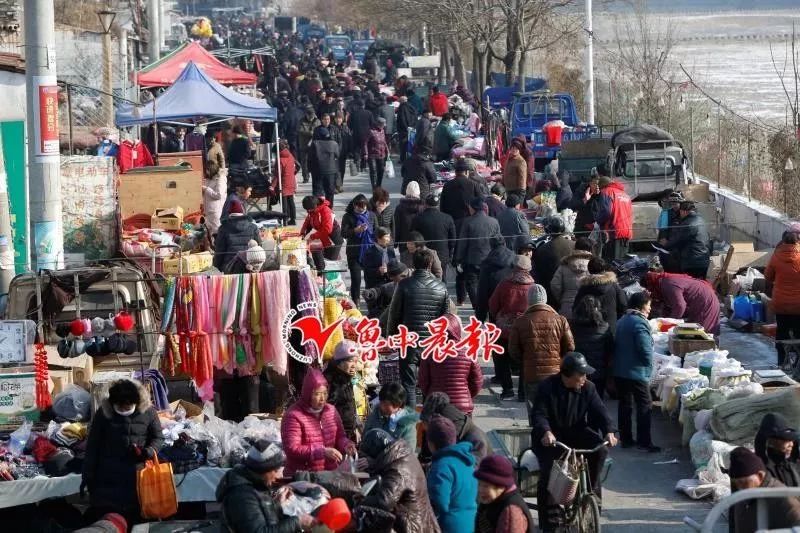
459, 377
312, 432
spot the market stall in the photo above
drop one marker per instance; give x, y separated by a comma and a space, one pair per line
167, 70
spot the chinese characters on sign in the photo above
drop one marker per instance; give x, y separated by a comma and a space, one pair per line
479, 339
46, 114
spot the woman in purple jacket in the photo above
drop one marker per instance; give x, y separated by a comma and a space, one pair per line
682, 296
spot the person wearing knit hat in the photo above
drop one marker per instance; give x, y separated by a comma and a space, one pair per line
537, 295
233, 238
452, 489
245, 493
747, 471
412, 190
500, 503
340, 373
508, 301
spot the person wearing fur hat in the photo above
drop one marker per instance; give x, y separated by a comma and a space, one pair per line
601, 282
508, 302
459, 377
340, 373
311, 431
125, 432
403, 489
539, 338
501, 508
245, 494
452, 488
747, 471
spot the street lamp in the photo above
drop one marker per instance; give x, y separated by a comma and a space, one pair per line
106, 20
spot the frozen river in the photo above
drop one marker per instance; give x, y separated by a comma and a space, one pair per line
728, 54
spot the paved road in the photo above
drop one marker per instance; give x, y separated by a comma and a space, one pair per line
638, 495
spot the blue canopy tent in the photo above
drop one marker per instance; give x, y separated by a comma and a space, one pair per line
196, 98
193, 98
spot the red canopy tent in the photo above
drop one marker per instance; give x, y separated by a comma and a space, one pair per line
165, 71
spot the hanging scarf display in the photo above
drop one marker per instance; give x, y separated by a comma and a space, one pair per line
276, 303
308, 293
200, 346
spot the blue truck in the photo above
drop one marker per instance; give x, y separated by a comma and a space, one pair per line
359, 49
530, 111
339, 45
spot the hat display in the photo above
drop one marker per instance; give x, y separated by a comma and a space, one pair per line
497, 470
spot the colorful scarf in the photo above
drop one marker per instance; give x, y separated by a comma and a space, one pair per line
367, 236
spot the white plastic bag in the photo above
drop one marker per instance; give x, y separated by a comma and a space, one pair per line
73, 403
19, 438
389, 171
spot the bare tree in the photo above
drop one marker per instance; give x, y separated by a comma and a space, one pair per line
790, 81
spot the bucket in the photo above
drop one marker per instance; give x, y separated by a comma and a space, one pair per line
335, 514
552, 135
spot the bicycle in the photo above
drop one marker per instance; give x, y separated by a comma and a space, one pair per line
582, 514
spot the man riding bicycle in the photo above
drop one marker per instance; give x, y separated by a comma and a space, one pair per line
568, 409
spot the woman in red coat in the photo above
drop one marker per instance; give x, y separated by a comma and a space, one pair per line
783, 272
321, 225
287, 184
459, 377
312, 432
509, 301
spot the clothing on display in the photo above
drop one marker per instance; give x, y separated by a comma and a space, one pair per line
133, 154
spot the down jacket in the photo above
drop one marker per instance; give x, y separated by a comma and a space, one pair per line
247, 506
306, 435
341, 396
540, 338
405, 428
109, 469
459, 377
605, 288
404, 215
546, 260
402, 490
417, 300
232, 238
453, 489
783, 271
510, 300
566, 281
494, 269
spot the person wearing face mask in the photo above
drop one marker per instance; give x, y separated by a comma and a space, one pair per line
312, 432
245, 494
776, 445
125, 432
340, 373
393, 416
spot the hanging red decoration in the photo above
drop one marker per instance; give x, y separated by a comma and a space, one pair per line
123, 321
43, 398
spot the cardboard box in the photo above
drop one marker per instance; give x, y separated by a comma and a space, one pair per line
142, 190
82, 366
681, 347
696, 192
169, 218
187, 264
18, 395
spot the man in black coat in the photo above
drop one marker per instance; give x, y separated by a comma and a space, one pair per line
419, 168
423, 134
458, 193
439, 231
548, 257
290, 125
406, 118
417, 300
477, 235
691, 239
568, 409
492, 272
776, 445
360, 122
323, 163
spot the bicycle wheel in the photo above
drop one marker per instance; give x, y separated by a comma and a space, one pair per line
589, 515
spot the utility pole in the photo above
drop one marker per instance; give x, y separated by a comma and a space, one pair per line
7, 269
589, 65
106, 20
154, 40
44, 172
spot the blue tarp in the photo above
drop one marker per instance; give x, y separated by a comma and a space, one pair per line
195, 96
